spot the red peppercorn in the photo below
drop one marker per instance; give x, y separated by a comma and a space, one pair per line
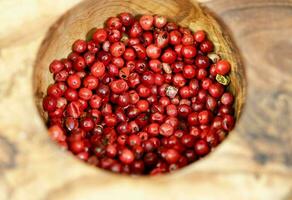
188, 51
136, 30
206, 83
127, 19
99, 36
87, 124
201, 148
57, 133
166, 130
185, 92
189, 71
90, 82
123, 100
143, 91
188, 140
184, 110
205, 117
146, 22
216, 90
74, 81
179, 80
202, 61
187, 39
77, 146
74, 109
56, 66
172, 156
118, 86
143, 105
97, 69
110, 120
199, 36
49, 103
223, 67
117, 49
169, 56
85, 93
153, 129
114, 23
79, 46
227, 99
148, 78
159, 21
153, 51
228, 122
127, 156
206, 46
175, 37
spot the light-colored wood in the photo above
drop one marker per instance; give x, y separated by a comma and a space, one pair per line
254, 163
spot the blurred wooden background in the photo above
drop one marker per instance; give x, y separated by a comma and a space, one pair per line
259, 161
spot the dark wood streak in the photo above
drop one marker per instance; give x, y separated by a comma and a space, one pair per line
8, 152
267, 117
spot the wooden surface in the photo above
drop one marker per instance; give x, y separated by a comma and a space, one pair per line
254, 163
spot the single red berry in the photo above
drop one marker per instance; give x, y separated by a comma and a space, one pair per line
57, 133
189, 71
205, 117
136, 30
153, 129
85, 93
223, 67
227, 99
77, 146
146, 22
127, 156
216, 90
187, 39
74, 109
202, 61
79, 46
142, 105
228, 122
207, 46
99, 36
74, 81
56, 66
90, 82
110, 120
169, 56
172, 156
175, 37
127, 19
199, 36
97, 69
118, 86
201, 148
153, 51
166, 130
114, 23
117, 49
87, 124
188, 51
162, 39
159, 21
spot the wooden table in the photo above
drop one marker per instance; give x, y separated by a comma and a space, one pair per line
255, 163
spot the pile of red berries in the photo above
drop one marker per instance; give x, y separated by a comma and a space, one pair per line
140, 96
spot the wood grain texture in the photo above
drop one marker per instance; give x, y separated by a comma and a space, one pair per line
255, 162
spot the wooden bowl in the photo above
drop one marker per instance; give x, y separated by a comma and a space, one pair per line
82, 181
